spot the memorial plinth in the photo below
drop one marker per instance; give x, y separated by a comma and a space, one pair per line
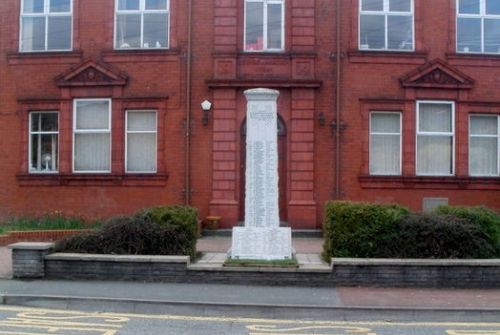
262, 237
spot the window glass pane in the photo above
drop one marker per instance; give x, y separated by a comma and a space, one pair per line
33, 36
35, 121
274, 26
385, 123
128, 31
372, 32
141, 121
92, 115
469, 6
58, 6
92, 152
44, 148
435, 118
469, 35
254, 29
141, 152
156, 4
493, 7
59, 33
128, 5
49, 121
400, 32
33, 6
434, 155
492, 35
385, 154
400, 5
484, 125
155, 30
372, 5
483, 156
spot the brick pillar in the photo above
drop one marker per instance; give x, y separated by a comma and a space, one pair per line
302, 206
28, 259
224, 158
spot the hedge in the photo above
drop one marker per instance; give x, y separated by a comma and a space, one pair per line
155, 231
361, 230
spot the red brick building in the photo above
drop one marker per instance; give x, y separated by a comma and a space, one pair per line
380, 100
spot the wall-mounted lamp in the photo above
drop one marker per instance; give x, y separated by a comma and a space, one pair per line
321, 119
205, 106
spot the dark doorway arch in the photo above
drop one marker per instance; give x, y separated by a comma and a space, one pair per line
282, 168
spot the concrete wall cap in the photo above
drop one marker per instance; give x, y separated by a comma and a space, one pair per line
117, 258
31, 246
415, 262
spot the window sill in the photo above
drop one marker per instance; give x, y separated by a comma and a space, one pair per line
428, 182
46, 57
485, 60
387, 57
139, 55
157, 179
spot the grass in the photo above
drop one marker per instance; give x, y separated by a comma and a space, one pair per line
47, 222
282, 263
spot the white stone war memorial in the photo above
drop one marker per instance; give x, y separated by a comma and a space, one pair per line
262, 237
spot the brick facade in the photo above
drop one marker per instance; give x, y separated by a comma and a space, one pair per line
305, 75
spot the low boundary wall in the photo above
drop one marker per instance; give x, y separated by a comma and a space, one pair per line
36, 260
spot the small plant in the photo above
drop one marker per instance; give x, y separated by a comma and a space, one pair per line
52, 221
281, 263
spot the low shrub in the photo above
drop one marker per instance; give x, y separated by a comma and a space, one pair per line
436, 236
482, 216
350, 228
384, 231
157, 231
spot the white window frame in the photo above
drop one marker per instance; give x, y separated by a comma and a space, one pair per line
45, 14
141, 11
497, 136
265, 27
386, 13
30, 143
400, 134
447, 134
127, 132
92, 131
482, 16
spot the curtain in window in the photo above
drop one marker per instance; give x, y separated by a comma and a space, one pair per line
483, 155
141, 141
385, 144
435, 139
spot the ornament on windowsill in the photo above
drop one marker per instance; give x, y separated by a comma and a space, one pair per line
46, 158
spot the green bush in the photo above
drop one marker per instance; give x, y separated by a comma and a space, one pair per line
157, 231
52, 221
436, 236
386, 231
485, 217
350, 228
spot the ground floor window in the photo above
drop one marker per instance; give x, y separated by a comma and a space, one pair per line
484, 145
435, 138
92, 135
141, 139
385, 143
43, 142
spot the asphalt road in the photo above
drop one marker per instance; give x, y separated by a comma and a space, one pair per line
33, 321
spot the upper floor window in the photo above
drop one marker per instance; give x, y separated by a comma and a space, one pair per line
478, 26
435, 138
484, 145
43, 142
46, 25
264, 25
386, 25
385, 143
142, 24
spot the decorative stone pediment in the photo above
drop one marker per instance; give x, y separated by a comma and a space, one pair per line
437, 74
90, 73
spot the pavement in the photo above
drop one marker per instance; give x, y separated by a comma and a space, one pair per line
341, 303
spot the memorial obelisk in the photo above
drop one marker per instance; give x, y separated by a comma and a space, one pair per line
262, 237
